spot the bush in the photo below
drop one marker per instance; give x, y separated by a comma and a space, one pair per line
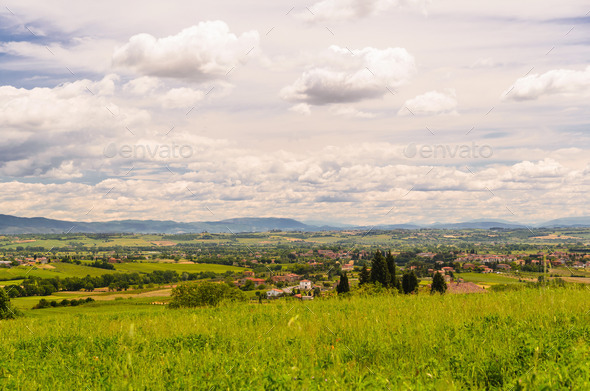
6, 309
204, 294
43, 303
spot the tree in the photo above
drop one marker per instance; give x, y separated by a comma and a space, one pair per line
248, 285
379, 271
343, 286
6, 310
390, 261
364, 276
438, 284
204, 294
409, 282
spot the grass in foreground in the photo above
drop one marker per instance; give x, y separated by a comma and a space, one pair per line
528, 338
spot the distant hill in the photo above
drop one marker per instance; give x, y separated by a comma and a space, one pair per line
41, 225
477, 225
583, 221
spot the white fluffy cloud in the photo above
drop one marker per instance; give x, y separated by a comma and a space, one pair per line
431, 103
83, 104
351, 76
202, 52
46, 129
559, 81
356, 9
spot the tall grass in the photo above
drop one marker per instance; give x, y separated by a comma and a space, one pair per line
526, 339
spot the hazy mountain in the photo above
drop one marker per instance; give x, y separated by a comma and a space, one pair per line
477, 225
39, 225
582, 221
21, 225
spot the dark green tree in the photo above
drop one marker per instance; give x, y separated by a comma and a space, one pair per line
438, 284
343, 286
390, 261
409, 282
379, 271
364, 276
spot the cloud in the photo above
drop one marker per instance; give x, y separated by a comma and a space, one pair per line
431, 103
301, 108
355, 9
66, 170
559, 81
45, 129
351, 76
181, 97
202, 52
526, 170
351, 112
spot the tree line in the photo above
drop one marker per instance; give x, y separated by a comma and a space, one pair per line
384, 273
37, 286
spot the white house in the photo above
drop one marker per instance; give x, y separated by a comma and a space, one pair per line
305, 285
274, 293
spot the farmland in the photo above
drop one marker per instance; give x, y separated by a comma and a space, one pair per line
515, 318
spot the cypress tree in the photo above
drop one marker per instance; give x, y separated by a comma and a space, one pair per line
364, 276
379, 271
343, 286
390, 261
438, 284
409, 282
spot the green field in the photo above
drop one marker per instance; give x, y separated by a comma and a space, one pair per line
57, 269
532, 339
148, 267
62, 270
487, 278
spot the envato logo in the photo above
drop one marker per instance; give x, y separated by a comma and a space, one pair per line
145, 151
448, 151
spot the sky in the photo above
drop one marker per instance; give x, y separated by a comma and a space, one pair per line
349, 111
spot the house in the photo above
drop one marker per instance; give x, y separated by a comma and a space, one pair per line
257, 281
487, 270
469, 266
558, 262
305, 285
447, 269
273, 293
503, 266
249, 273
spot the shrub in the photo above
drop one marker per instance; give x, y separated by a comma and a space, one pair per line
6, 309
43, 303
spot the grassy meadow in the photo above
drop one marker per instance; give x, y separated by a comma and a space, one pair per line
523, 339
63, 270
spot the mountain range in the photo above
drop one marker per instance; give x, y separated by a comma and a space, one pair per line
40, 225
